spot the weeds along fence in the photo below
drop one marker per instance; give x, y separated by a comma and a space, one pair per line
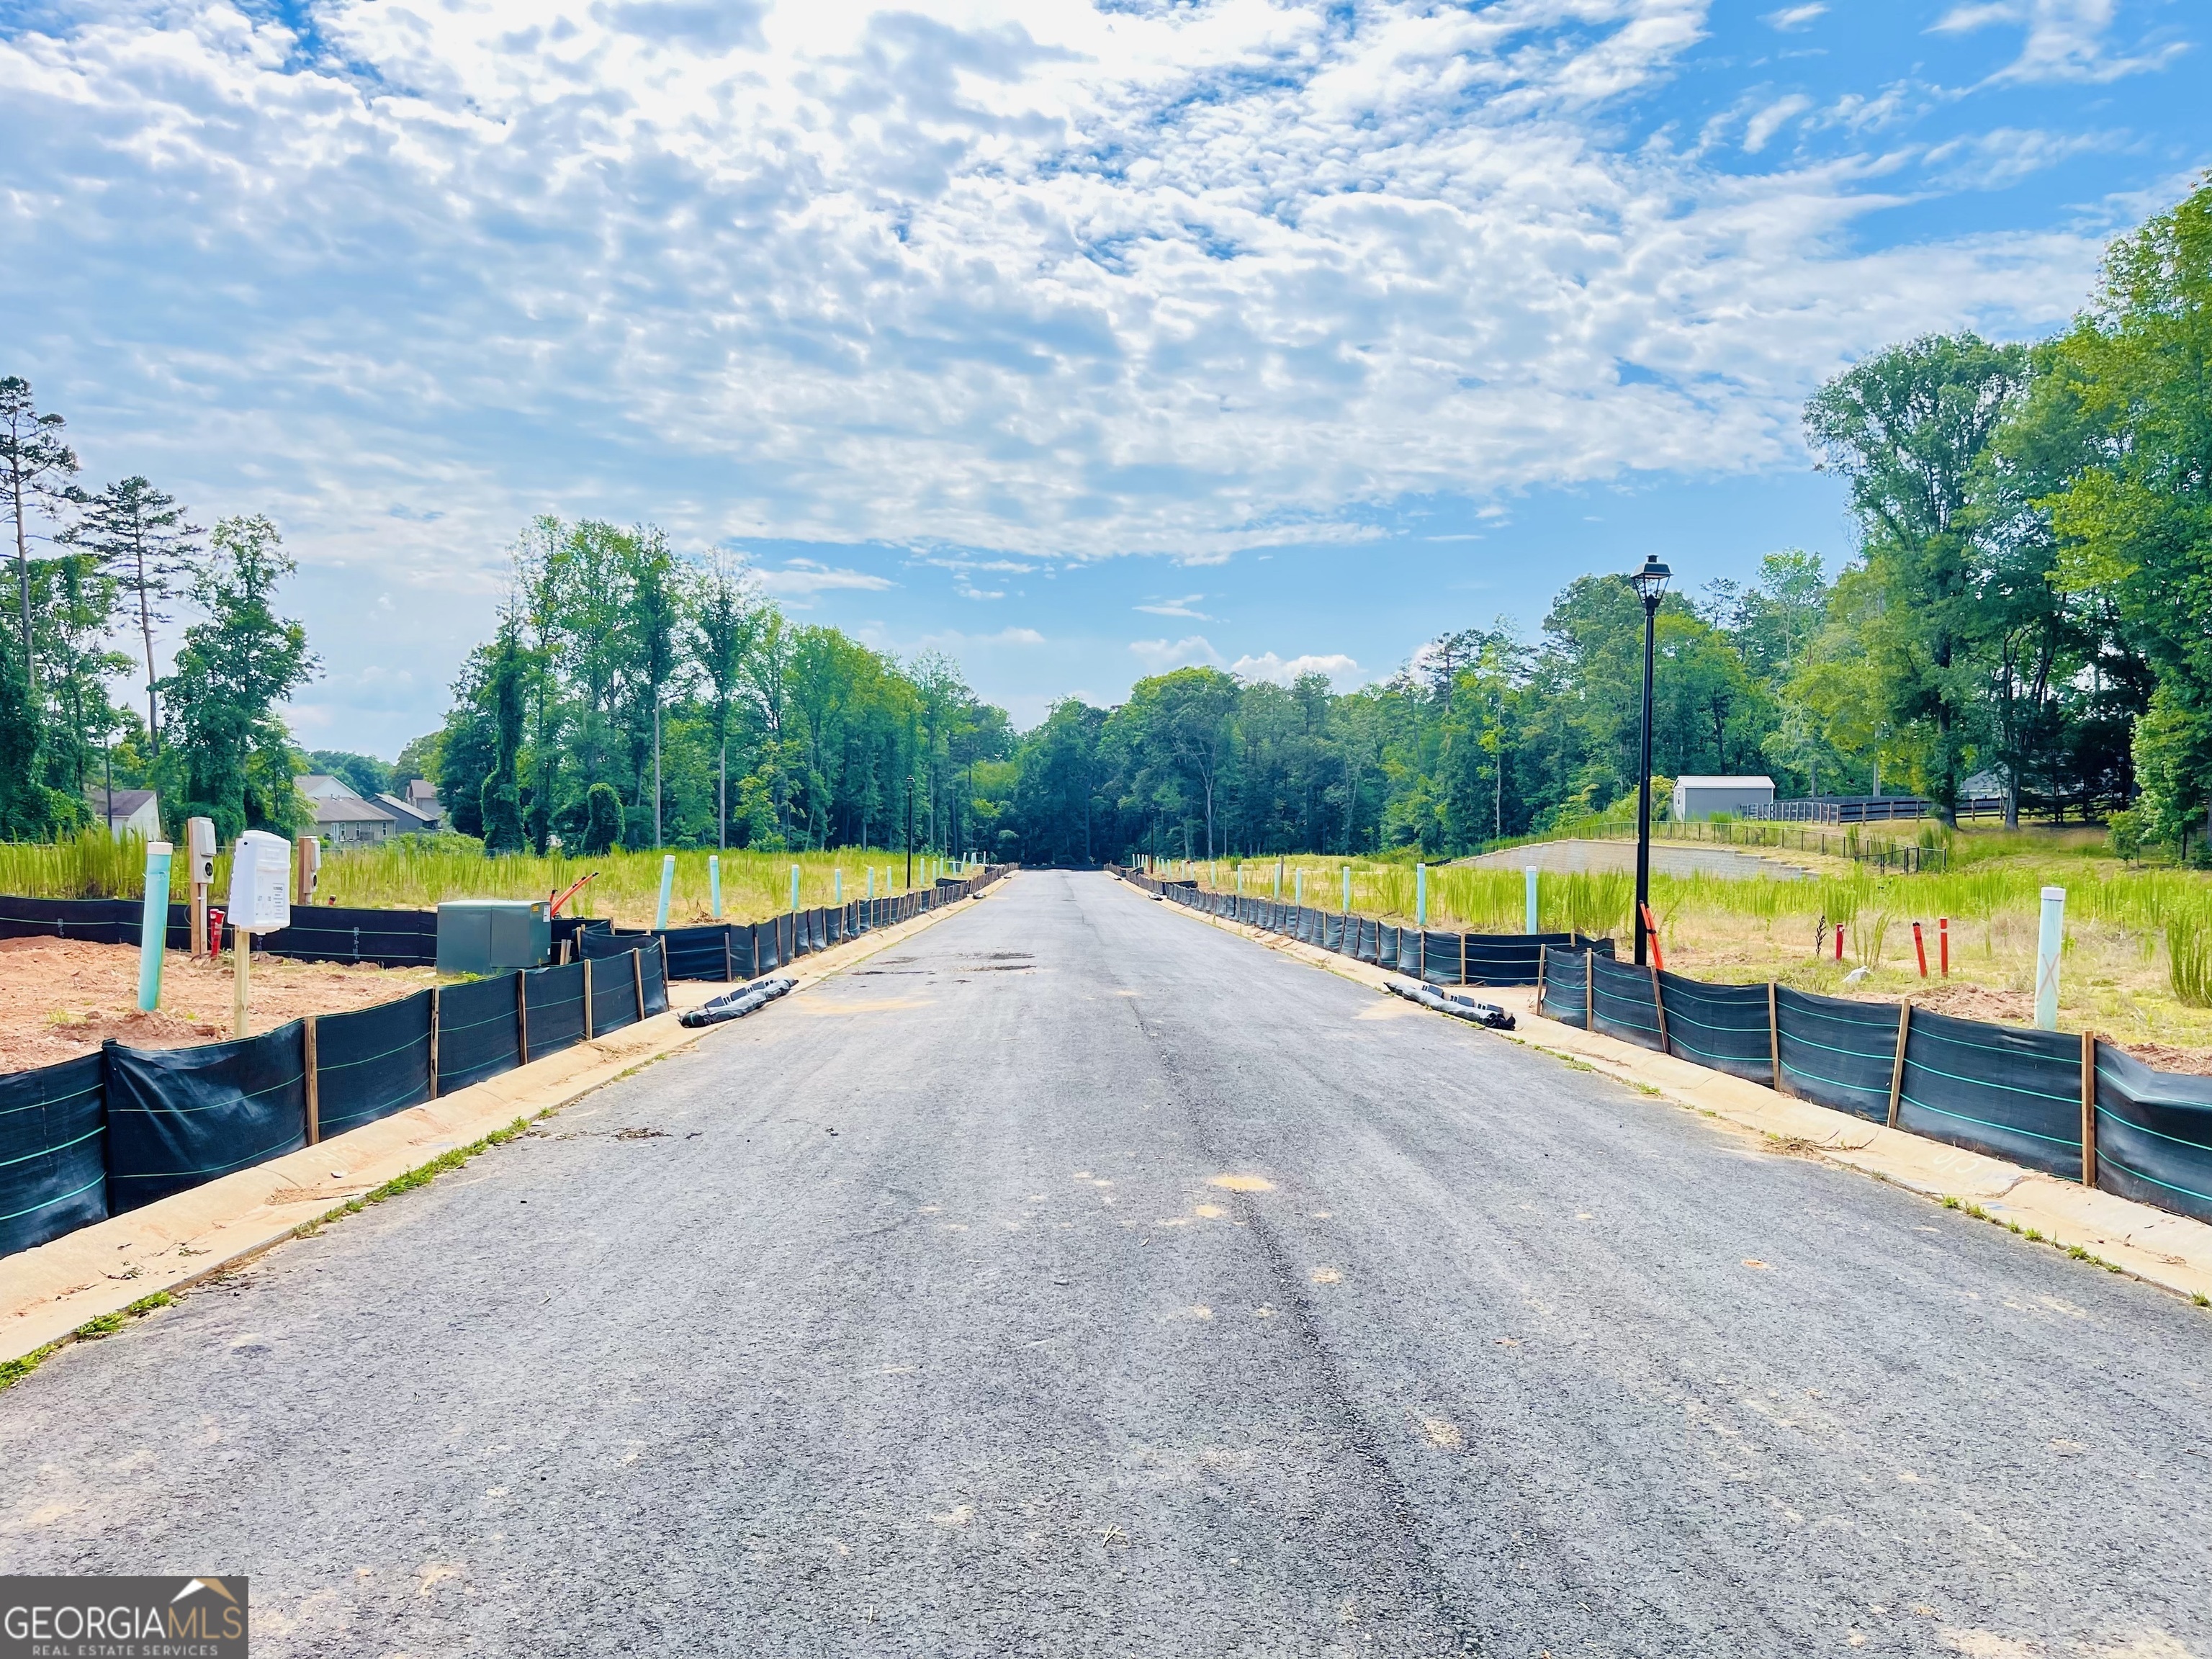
2070, 1106
108, 1132
415, 872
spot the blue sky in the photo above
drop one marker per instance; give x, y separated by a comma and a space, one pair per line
1076, 340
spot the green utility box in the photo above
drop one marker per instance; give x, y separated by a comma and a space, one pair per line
494, 936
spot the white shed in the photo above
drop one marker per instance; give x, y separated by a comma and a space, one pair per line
1700, 797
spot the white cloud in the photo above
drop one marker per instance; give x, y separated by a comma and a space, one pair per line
1029, 276
1181, 607
1341, 671
1993, 160
1793, 17
1158, 656
804, 576
1769, 120
2066, 39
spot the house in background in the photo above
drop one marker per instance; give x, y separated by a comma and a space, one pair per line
1700, 797
129, 812
343, 819
421, 796
407, 820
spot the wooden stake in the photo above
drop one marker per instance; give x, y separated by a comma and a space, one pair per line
1897, 1068
2088, 1108
307, 1070
729, 968
1543, 964
587, 999
521, 1017
1659, 1007
433, 1042
637, 978
1589, 990
242, 951
1774, 1036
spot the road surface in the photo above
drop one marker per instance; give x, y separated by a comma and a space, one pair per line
1077, 1278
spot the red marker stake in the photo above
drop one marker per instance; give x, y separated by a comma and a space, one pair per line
1839, 941
1920, 949
1943, 943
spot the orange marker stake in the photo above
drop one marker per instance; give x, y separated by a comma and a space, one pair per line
1920, 949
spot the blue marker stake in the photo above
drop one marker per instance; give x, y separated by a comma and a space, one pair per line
667, 886
153, 926
714, 885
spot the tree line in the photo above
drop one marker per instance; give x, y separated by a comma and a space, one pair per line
2029, 605
633, 697
113, 562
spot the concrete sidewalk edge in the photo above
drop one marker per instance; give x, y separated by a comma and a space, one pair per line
2156, 1246
49, 1292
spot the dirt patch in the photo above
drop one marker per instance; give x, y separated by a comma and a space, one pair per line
2165, 1057
63, 998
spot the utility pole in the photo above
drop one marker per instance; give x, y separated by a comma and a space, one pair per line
909, 832
1650, 584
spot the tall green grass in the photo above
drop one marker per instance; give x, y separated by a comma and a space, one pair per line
412, 873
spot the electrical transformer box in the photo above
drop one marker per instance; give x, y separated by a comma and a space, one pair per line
494, 936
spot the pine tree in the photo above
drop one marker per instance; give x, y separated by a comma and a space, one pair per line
35, 466
142, 543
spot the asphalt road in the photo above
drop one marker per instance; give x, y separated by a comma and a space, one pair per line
915, 1316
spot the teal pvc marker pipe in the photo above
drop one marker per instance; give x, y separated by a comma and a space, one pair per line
153, 926
1420, 896
795, 889
714, 884
871, 882
667, 887
1529, 870
838, 886
1347, 890
2049, 946
1298, 886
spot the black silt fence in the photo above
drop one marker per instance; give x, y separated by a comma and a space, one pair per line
653, 973
553, 1001
1441, 960
53, 1153
1566, 995
371, 1063
705, 952
477, 1034
615, 998
1726, 1027
391, 939
1625, 1002
610, 943
97, 922
178, 1118
1835, 1052
2014, 1094
2154, 1135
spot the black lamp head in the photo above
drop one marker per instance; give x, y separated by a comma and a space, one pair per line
1650, 581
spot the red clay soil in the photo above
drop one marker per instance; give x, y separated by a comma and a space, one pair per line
63, 998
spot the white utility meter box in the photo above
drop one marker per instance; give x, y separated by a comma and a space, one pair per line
200, 838
261, 883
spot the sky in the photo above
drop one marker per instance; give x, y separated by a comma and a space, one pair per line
1079, 341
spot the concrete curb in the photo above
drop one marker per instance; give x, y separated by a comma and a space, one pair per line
2170, 1251
47, 1293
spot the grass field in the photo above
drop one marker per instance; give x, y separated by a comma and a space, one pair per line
409, 874
2138, 951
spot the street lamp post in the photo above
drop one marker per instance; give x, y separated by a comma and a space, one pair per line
1649, 583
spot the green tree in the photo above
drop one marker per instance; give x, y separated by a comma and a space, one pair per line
499, 796
234, 758
35, 469
140, 537
2135, 522
1909, 428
